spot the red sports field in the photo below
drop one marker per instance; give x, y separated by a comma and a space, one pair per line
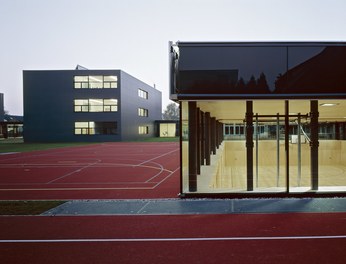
140, 171
98, 171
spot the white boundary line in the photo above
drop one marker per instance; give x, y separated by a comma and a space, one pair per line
179, 239
167, 153
155, 184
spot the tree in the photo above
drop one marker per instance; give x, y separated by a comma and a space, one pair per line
262, 85
171, 112
251, 85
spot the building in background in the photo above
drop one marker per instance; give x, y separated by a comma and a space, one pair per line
10, 126
88, 106
2, 107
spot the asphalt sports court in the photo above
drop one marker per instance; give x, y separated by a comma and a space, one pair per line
147, 175
97, 171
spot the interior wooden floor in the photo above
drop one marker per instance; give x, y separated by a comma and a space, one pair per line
227, 172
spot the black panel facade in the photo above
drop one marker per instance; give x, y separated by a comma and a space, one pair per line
269, 70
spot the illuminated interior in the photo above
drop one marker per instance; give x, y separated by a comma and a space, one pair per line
275, 168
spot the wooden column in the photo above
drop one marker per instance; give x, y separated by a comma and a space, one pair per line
192, 146
220, 133
207, 138
198, 150
287, 149
202, 138
314, 144
217, 134
213, 135
249, 145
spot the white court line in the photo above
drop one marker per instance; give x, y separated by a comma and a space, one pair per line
75, 171
94, 188
164, 179
80, 189
179, 239
156, 157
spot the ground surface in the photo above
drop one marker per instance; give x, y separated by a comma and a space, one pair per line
146, 223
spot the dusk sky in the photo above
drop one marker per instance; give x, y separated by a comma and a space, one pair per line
133, 35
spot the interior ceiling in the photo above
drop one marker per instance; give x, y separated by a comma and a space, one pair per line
230, 111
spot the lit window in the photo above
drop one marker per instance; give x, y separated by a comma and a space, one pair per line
95, 128
142, 94
95, 105
110, 105
81, 105
143, 130
142, 112
110, 82
95, 82
81, 128
81, 82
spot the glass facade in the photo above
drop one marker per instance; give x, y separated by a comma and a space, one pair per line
219, 156
261, 118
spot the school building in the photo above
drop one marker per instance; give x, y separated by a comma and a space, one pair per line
84, 105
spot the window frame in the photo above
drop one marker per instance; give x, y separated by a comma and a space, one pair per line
87, 108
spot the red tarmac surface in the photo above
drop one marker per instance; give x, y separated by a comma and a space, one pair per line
232, 238
145, 170
100, 171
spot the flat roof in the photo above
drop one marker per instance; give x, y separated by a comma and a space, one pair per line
260, 43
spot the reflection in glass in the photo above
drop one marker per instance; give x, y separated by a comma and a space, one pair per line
269, 70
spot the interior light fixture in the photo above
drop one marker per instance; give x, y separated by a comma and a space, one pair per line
328, 104
115, 78
95, 78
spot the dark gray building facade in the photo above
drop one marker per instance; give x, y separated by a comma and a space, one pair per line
88, 106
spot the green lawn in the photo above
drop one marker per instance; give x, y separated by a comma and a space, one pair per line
162, 139
17, 145
20, 146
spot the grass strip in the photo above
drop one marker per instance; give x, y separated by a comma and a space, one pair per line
25, 147
27, 207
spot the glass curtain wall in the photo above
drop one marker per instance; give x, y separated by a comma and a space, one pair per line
276, 146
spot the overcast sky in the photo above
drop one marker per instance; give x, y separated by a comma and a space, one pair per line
133, 35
